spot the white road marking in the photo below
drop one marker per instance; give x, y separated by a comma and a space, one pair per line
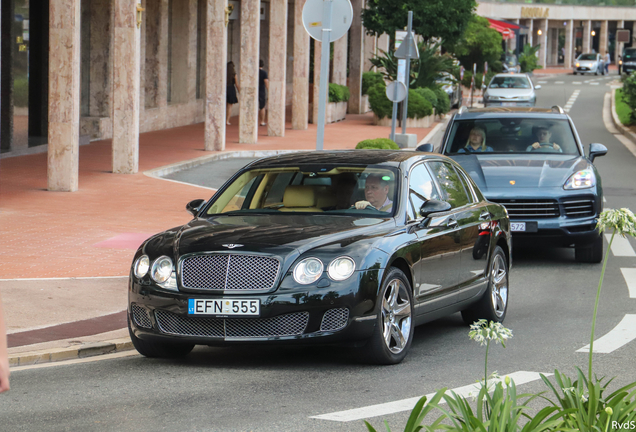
571, 101
594, 83
559, 82
77, 361
630, 279
577, 83
520, 377
621, 246
622, 334
542, 82
604, 200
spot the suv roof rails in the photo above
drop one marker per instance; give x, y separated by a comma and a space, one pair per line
558, 109
462, 110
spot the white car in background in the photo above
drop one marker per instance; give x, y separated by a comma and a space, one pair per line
511, 90
589, 63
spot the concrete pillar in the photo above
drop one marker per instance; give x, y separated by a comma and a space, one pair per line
357, 57
542, 39
250, 41
317, 66
370, 50
340, 60
553, 35
619, 45
383, 42
216, 75
162, 50
64, 95
126, 63
300, 95
277, 69
603, 42
100, 83
531, 32
569, 44
587, 37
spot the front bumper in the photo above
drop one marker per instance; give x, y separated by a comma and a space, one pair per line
585, 70
628, 68
343, 311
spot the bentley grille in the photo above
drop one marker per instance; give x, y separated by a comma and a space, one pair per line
334, 319
283, 325
141, 317
230, 272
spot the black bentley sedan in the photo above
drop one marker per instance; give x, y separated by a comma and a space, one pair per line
533, 162
326, 247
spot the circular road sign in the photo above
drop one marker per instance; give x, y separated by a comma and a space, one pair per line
341, 16
401, 91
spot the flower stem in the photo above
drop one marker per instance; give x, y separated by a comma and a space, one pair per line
486, 366
598, 295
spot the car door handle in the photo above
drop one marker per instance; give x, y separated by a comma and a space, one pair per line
452, 223
484, 215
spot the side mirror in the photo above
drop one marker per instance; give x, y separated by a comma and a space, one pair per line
428, 147
597, 150
537, 87
434, 206
194, 206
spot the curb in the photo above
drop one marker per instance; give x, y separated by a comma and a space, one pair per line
89, 349
623, 130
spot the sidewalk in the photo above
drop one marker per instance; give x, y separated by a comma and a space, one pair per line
66, 256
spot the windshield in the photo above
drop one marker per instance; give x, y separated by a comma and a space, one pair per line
587, 57
368, 191
630, 54
509, 82
512, 135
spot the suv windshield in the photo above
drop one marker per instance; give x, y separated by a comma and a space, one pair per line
368, 191
630, 53
587, 57
510, 82
511, 135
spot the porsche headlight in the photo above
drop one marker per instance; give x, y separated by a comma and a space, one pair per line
308, 271
141, 266
581, 180
162, 269
341, 268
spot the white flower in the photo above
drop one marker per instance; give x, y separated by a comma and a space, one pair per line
622, 221
483, 332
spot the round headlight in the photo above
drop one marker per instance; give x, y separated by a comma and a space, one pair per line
308, 271
341, 268
161, 269
141, 266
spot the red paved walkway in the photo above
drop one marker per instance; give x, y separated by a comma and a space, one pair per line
94, 231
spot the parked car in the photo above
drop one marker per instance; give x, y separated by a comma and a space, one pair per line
296, 249
532, 161
452, 87
510, 90
589, 63
629, 60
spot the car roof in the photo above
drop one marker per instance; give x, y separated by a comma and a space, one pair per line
510, 112
524, 75
340, 157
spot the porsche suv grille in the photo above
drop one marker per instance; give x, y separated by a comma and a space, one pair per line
230, 272
283, 325
579, 208
530, 208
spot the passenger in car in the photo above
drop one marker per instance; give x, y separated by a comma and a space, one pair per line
376, 191
543, 135
476, 142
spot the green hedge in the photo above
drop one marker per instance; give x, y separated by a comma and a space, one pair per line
623, 110
629, 95
443, 101
378, 144
382, 107
427, 94
338, 93
369, 79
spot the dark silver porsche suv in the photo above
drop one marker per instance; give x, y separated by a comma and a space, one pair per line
533, 162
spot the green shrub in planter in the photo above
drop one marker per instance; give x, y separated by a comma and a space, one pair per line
378, 144
467, 77
380, 105
428, 94
369, 79
346, 94
443, 102
419, 107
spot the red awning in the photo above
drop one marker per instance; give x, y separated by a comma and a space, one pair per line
506, 29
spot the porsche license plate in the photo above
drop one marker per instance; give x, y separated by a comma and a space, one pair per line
517, 226
226, 307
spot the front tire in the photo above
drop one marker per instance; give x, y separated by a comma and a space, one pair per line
493, 305
393, 332
158, 349
590, 254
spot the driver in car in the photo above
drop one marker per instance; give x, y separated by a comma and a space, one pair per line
376, 191
543, 143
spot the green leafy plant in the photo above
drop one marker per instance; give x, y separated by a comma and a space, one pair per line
338, 93
369, 79
418, 106
378, 144
629, 94
443, 101
427, 94
382, 107
528, 58
624, 111
479, 44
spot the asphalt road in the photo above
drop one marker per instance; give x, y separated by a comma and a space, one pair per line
280, 389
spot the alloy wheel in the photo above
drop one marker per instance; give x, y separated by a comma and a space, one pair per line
499, 281
396, 316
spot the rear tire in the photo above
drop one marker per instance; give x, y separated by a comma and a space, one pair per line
493, 305
590, 254
158, 349
394, 327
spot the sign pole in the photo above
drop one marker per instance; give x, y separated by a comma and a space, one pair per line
407, 75
324, 72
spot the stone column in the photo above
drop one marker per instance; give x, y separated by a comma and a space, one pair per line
569, 44
300, 92
162, 49
356, 58
531, 32
370, 50
126, 62
250, 41
340, 60
602, 46
317, 66
64, 95
619, 45
192, 51
587, 37
543, 40
216, 75
554, 45
277, 69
